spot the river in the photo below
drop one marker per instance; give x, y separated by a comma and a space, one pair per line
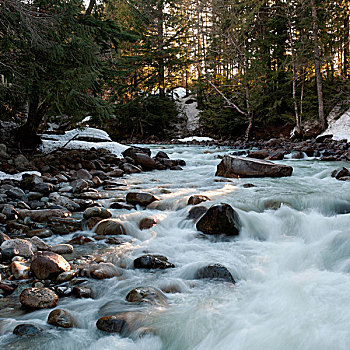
291, 263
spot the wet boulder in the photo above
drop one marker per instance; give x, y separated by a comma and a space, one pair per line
48, 265
20, 270
131, 168
260, 154
61, 318
109, 227
236, 167
121, 205
149, 261
150, 295
27, 330
197, 199
114, 324
97, 212
100, 271
41, 233
140, 198
38, 298
219, 219
82, 292
195, 213
145, 161
216, 272
62, 249
147, 223
340, 173
162, 155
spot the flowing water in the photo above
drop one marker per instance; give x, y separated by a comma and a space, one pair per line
291, 263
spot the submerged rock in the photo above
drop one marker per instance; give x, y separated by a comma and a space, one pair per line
61, 318
152, 262
114, 324
147, 223
197, 199
38, 298
49, 265
219, 219
196, 213
100, 271
215, 271
340, 173
27, 330
234, 166
149, 295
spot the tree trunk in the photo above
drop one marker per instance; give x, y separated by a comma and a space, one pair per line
318, 66
160, 33
346, 46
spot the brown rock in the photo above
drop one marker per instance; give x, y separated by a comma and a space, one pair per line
140, 198
145, 161
234, 166
44, 215
109, 227
49, 265
197, 199
149, 295
38, 298
147, 223
61, 318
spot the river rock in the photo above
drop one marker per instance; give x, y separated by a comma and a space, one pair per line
145, 161
66, 276
130, 168
62, 249
147, 223
121, 205
215, 271
22, 247
61, 318
149, 295
219, 219
114, 324
41, 233
81, 240
82, 292
64, 202
27, 330
82, 174
44, 215
109, 227
39, 243
97, 212
38, 298
79, 185
149, 261
20, 270
43, 188
340, 172
3, 237
236, 167
63, 226
100, 271
140, 198
162, 154
197, 199
260, 154
49, 265
195, 213
15, 193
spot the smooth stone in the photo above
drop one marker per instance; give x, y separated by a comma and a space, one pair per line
120, 205
41, 233
20, 270
219, 219
27, 330
214, 271
140, 198
114, 324
109, 227
61, 318
147, 223
149, 295
44, 215
197, 199
97, 212
195, 213
145, 161
100, 271
39, 243
236, 167
38, 298
66, 276
340, 172
62, 249
82, 292
149, 261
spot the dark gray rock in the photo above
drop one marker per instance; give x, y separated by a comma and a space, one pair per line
149, 261
214, 271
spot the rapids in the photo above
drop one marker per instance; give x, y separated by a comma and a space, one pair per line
291, 263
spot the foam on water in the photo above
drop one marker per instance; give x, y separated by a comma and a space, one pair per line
291, 263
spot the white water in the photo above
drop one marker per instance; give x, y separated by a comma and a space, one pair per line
291, 263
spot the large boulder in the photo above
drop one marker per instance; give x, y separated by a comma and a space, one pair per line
145, 161
49, 265
27, 330
115, 324
234, 166
219, 219
38, 298
140, 198
100, 271
216, 272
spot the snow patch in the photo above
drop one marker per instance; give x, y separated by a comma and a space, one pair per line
96, 139
340, 128
18, 177
196, 138
92, 134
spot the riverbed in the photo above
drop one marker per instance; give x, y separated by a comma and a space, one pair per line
291, 264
